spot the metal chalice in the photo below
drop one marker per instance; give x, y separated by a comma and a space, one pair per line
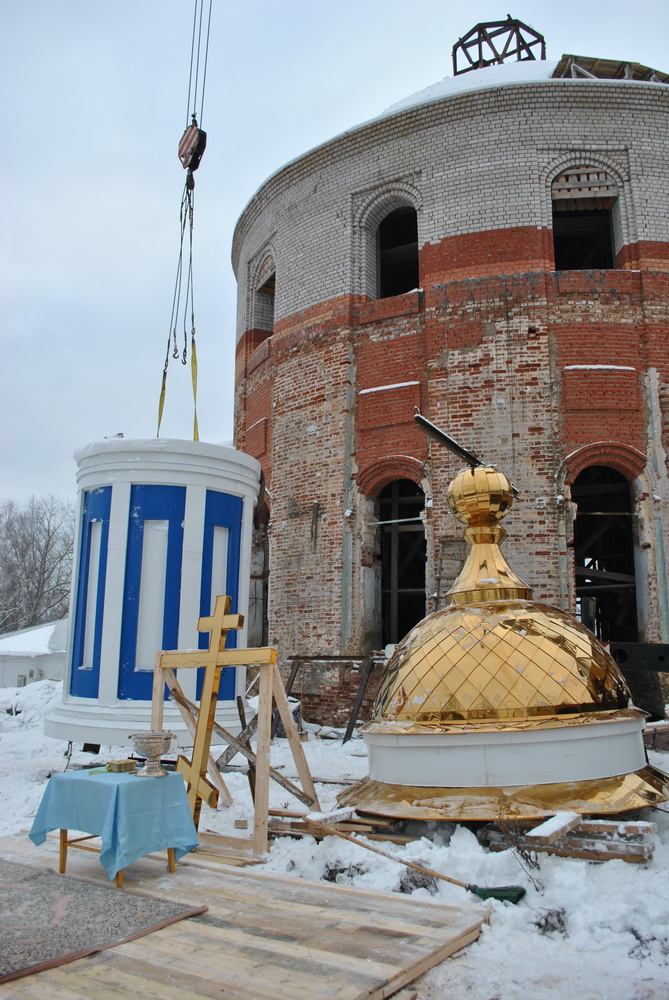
152, 745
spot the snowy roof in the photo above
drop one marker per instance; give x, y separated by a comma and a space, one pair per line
532, 71
35, 641
529, 71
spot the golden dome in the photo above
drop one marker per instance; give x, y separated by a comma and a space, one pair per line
493, 656
497, 662
499, 706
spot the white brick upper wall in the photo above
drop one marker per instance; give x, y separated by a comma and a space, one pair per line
470, 162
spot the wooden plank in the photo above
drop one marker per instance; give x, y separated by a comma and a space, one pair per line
263, 938
264, 742
297, 662
290, 729
283, 976
249, 754
150, 979
355, 711
622, 828
147, 979
157, 696
225, 856
553, 828
590, 850
244, 738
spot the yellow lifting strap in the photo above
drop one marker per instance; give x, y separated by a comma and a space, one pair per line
193, 373
161, 402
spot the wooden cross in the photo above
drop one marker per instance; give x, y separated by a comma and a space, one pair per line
202, 723
213, 660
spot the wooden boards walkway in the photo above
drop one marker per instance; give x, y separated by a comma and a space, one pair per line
264, 937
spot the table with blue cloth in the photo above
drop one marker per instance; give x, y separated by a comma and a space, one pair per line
132, 815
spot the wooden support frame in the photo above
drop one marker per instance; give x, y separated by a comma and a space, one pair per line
202, 724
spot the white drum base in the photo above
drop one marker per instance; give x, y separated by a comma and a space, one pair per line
82, 722
504, 758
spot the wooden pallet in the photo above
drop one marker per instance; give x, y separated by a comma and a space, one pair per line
288, 823
572, 835
264, 937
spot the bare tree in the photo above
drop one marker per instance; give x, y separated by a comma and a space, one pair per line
36, 543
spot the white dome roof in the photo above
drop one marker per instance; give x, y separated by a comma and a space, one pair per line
530, 71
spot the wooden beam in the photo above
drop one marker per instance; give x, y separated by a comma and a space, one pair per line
553, 828
238, 747
290, 729
260, 819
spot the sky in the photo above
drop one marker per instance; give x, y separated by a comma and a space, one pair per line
94, 100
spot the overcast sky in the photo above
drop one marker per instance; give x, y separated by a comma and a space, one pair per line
94, 102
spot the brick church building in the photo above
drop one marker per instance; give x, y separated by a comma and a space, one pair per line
494, 251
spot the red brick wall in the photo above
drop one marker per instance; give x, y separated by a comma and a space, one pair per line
506, 363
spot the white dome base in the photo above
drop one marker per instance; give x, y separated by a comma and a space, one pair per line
512, 757
82, 722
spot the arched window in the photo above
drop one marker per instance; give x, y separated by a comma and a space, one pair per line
604, 554
584, 202
257, 622
262, 305
397, 239
402, 553
606, 581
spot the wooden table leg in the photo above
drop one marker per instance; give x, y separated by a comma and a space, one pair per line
171, 859
119, 879
63, 852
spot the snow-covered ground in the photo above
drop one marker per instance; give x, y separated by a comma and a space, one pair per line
588, 931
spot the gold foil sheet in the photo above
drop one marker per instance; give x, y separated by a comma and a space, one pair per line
498, 661
535, 723
600, 797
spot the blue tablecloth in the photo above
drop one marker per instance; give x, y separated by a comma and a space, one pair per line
132, 816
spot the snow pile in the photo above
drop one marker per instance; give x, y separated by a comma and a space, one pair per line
596, 931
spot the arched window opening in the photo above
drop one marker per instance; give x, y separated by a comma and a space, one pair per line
604, 554
398, 252
259, 582
584, 199
402, 559
605, 575
263, 313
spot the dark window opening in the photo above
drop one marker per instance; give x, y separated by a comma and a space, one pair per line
582, 239
264, 319
605, 573
402, 559
398, 253
258, 622
263, 311
604, 555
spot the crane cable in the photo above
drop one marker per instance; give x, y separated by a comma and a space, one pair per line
191, 148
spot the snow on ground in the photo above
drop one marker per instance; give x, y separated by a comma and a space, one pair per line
592, 931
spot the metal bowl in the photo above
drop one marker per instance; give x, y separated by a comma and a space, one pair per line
152, 745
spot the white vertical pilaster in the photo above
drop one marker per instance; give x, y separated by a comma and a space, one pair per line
191, 574
114, 590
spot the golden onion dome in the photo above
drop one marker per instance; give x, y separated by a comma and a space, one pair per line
492, 656
497, 662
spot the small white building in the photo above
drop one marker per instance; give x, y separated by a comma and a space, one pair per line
33, 654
